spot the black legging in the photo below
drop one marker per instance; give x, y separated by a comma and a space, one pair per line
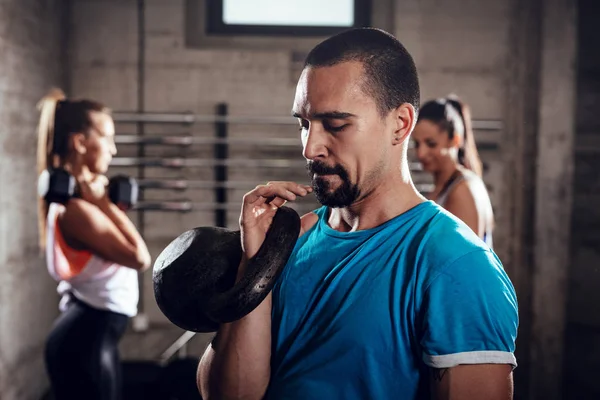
82, 356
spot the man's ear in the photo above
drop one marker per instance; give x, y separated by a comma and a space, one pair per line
404, 122
77, 143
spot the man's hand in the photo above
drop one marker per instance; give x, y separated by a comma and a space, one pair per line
259, 207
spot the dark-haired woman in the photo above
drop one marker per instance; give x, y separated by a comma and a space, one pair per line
446, 148
92, 250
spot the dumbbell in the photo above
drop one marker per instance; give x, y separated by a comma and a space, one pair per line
59, 186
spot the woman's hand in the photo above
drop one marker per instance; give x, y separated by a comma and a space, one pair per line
94, 191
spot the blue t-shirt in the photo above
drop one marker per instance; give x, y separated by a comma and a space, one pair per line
363, 315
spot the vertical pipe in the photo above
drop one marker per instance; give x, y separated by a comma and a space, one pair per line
141, 95
65, 45
519, 156
220, 171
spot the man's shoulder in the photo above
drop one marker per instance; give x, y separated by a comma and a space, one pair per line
446, 239
446, 231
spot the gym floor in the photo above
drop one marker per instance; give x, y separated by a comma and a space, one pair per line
530, 70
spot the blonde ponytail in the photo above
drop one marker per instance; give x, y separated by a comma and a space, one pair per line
45, 158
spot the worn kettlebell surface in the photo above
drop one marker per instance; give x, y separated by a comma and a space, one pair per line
261, 272
194, 276
190, 270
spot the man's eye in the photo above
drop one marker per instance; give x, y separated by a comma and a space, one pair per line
303, 125
335, 128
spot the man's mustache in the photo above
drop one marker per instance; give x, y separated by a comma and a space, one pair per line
319, 168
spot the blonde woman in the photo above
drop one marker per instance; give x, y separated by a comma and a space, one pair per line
92, 249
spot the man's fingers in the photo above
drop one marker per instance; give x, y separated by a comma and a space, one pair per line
277, 201
284, 190
293, 187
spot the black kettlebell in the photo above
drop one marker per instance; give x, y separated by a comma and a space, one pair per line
57, 185
194, 276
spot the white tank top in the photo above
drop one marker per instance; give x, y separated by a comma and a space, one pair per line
467, 175
91, 279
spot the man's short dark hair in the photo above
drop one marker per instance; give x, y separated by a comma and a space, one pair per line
390, 73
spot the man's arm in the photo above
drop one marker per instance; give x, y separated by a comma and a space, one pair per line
469, 330
472, 382
237, 365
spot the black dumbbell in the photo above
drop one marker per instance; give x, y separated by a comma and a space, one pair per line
123, 191
59, 186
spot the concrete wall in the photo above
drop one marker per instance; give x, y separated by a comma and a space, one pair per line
582, 353
257, 76
487, 52
463, 47
30, 64
553, 197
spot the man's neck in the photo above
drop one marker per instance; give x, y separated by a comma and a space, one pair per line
386, 201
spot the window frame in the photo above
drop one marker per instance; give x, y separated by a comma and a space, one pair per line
215, 26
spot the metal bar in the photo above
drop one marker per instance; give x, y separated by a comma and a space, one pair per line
141, 108
195, 162
220, 171
182, 184
190, 118
187, 206
173, 184
183, 340
168, 140
183, 351
238, 162
161, 140
180, 206
487, 124
183, 206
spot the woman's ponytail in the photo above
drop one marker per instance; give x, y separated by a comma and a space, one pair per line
45, 158
468, 155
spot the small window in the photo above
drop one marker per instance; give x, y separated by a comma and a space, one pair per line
285, 17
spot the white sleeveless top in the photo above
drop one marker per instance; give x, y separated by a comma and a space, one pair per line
486, 209
91, 279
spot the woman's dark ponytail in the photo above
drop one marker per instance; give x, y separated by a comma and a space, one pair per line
468, 155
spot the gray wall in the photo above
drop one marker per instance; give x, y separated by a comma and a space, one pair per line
488, 52
583, 311
257, 76
29, 65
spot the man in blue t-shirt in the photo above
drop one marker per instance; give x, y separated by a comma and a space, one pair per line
386, 295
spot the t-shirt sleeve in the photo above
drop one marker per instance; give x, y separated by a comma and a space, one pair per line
470, 314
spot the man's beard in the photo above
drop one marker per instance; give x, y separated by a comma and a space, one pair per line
343, 196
